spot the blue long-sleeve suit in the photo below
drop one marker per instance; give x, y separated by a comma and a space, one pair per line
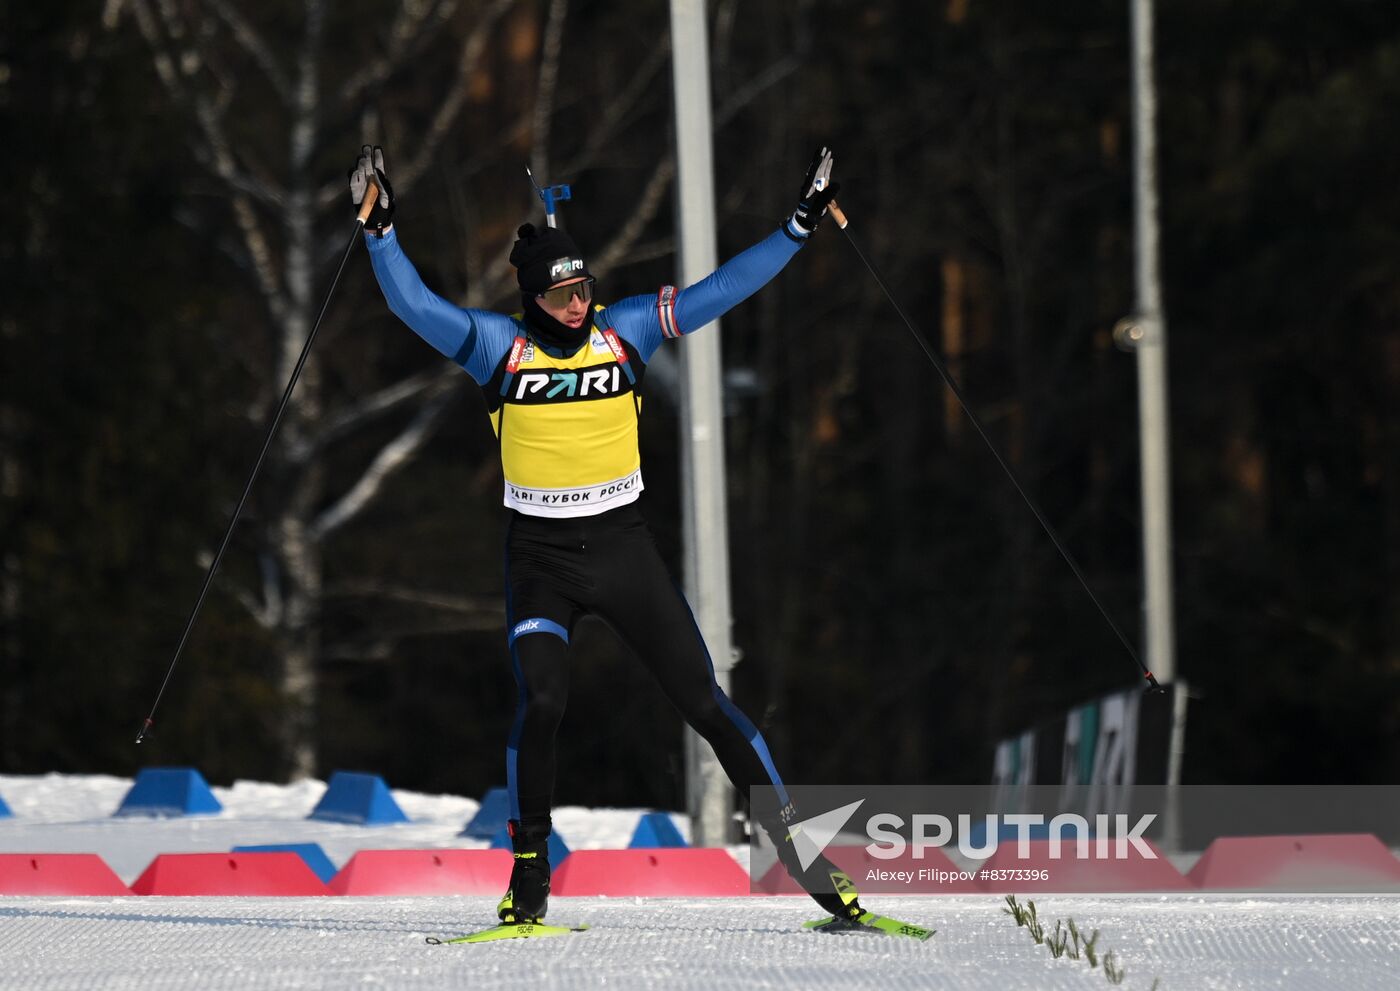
576, 542
479, 340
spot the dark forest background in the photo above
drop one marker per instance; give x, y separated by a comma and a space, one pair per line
175, 206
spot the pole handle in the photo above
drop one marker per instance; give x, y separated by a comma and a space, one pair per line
372, 197
838, 214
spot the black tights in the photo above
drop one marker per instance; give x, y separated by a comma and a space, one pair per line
607, 566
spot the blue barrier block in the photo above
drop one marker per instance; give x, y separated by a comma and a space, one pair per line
656, 829
5, 812
490, 817
363, 799
558, 849
169, 791
312, 853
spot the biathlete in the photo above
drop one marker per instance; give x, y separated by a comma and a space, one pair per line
563, 381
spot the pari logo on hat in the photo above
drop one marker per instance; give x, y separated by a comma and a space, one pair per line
543, 256
566, 268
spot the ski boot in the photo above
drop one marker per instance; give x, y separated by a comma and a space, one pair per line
528, 895
828, 885
841, 900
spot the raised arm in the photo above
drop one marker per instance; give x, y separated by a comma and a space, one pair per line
474, 339
647, 320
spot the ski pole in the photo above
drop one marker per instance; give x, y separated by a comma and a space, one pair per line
841, 221
371, 194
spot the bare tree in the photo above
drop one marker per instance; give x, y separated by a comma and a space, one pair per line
224, 69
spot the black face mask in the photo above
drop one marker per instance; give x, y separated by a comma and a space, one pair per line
550, 332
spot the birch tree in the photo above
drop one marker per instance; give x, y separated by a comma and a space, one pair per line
268, 99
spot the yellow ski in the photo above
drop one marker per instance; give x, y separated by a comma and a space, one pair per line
869, 922
512, 930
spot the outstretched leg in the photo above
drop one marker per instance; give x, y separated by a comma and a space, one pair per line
648, 611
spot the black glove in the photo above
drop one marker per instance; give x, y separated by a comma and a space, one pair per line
370, 168
816, 195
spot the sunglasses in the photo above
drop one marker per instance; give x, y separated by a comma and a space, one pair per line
559, 296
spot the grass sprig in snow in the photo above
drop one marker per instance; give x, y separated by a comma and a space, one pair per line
1067, 940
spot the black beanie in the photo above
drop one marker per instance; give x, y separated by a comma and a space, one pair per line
543, 257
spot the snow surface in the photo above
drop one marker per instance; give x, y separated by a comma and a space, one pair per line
135, 944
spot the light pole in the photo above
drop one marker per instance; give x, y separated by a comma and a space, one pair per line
706, 527
1145, 334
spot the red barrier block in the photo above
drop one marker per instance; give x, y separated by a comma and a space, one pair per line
228, 874
58, 874
1333, 862
932, 874
1070, 873
424, 872
663, 872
